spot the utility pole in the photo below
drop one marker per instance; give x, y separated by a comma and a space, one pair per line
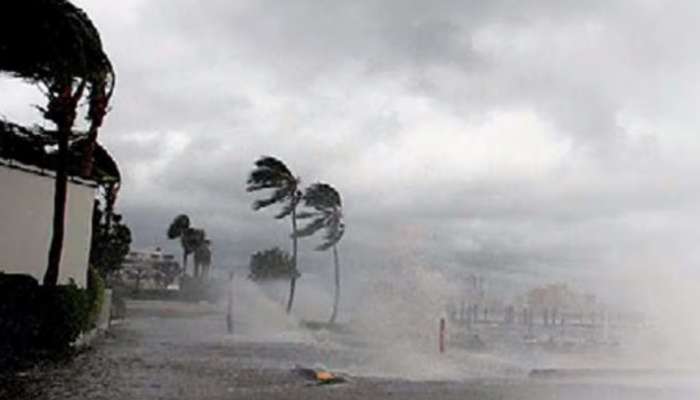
229, 305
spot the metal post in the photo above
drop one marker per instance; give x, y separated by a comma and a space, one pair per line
441, 339
229, 305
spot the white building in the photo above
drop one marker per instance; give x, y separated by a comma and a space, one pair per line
149, 268
26, 208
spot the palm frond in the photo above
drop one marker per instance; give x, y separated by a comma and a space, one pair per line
307, 214
277, 196
271, 173
49, 40
178, 226
264, 179
327, 205
291, 205
332, 237
311, 228
274, 164
192, 239
322, 196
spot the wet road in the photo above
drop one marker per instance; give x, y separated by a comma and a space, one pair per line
179, 351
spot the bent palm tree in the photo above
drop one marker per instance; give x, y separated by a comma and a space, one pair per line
327, 215
54, 44
202, 259
271, 173
190, 238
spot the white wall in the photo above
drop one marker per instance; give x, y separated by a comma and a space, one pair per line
26, 212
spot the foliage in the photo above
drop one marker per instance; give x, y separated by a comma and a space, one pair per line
271, 264
110, 242
38, 319
65, 314
53, 43
271, 173
166, 273
178, 226
44, 39
327, 214
191, 239
19, 321
202, 259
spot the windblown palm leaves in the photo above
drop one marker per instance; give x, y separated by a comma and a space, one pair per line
47, 40
53, 43
271, 173
191, 239
202, 259
326, 214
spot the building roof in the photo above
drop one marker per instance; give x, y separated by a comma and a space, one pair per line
34, 147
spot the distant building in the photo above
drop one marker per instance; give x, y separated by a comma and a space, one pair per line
149, 269
559, 295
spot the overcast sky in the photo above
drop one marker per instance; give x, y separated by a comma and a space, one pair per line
523, 139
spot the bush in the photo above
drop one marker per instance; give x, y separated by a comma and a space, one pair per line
19, 321
36, 319
65, 313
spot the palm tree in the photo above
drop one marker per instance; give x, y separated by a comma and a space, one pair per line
54, 44
202, 259
327, 214
271, 173
190, 238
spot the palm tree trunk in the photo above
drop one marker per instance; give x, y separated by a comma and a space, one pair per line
336, 299
184, 261
61, 111
59, 211
293, 278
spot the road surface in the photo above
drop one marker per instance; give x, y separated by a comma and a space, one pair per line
169, 350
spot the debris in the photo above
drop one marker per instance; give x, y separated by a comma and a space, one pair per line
319, 376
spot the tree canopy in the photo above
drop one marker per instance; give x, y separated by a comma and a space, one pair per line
271, 264
271, 173
110, 242
326, 213
47, 40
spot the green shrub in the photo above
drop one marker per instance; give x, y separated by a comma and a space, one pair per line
36, 319
64, 313
19, 321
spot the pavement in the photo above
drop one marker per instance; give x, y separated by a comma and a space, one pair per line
170, 350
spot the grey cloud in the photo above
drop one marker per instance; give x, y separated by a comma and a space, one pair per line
337, 89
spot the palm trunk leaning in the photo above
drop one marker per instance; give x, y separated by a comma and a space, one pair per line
293, 278
336, 298
61, 110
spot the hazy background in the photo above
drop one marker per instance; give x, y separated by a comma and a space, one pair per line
527, 141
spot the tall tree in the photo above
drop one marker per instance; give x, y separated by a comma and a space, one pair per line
271, 173
327, 214
202, 259
270, 264
54, 44
111, 240
190, 238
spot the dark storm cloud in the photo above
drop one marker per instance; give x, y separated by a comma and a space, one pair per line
523, 137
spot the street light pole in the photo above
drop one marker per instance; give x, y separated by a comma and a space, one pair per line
229, 306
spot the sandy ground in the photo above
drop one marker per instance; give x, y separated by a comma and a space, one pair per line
168, 350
